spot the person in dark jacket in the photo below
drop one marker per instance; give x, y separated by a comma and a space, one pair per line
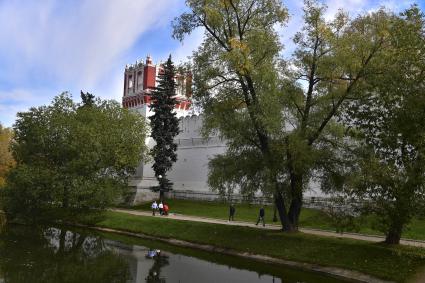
261, 216
232, 211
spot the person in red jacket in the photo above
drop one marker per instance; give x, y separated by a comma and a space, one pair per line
166, 209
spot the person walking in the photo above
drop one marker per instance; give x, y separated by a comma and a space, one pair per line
154, 207
161, 208
232, 211
261, 216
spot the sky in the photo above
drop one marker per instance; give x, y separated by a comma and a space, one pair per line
51, 46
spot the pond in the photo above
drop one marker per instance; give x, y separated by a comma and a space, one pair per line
63, 254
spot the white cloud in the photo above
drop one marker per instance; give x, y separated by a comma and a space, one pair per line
296, 20
48, 46
73, 43
396, 6
18, 100
353, 7
17, 95
53, 45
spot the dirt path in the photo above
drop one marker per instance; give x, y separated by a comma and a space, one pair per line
318, 232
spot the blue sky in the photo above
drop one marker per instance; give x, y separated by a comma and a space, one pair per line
50, 46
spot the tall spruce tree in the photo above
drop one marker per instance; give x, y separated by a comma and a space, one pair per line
87, 98
164, 126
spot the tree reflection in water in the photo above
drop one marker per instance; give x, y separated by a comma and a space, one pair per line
2, 221
154, 276
57, 255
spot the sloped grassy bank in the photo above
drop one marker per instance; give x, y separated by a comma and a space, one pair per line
386, 262
309, 218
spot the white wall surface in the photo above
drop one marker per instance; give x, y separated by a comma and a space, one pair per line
190, 172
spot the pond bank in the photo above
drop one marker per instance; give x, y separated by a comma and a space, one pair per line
392, 263
333, 271
62, 253
360, 260
312, 231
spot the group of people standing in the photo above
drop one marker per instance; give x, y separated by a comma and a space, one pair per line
261, 215
161, 207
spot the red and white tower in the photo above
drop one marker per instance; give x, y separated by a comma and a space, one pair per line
139, 81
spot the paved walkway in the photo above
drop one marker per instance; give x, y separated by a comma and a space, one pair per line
318, 232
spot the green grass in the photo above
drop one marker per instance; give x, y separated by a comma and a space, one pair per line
416, 230
310, 218
391, 263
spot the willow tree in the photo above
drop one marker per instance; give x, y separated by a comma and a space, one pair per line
388, 173
234, 71
279, 129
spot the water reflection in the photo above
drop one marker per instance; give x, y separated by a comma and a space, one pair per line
160, 260
55, 255
186, 265
31, 254
2, 221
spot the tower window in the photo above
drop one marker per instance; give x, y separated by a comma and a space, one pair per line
140, 78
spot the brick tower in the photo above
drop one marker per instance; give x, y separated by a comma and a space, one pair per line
139, 81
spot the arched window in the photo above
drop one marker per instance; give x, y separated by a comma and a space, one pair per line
139, 79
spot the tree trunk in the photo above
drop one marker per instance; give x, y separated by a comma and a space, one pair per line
296, 200
394, 234
66, 193
65, 202
274, 213
294, 212
161, 195
283, 215
62, 241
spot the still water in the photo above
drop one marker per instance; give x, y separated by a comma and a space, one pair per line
50, 254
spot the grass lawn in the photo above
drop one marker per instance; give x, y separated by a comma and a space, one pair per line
310, 218
391, 263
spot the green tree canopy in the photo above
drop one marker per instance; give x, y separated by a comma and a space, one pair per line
73, 157
388, 171
280, 117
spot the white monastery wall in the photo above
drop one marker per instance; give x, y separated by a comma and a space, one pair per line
190, 172
191, 169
